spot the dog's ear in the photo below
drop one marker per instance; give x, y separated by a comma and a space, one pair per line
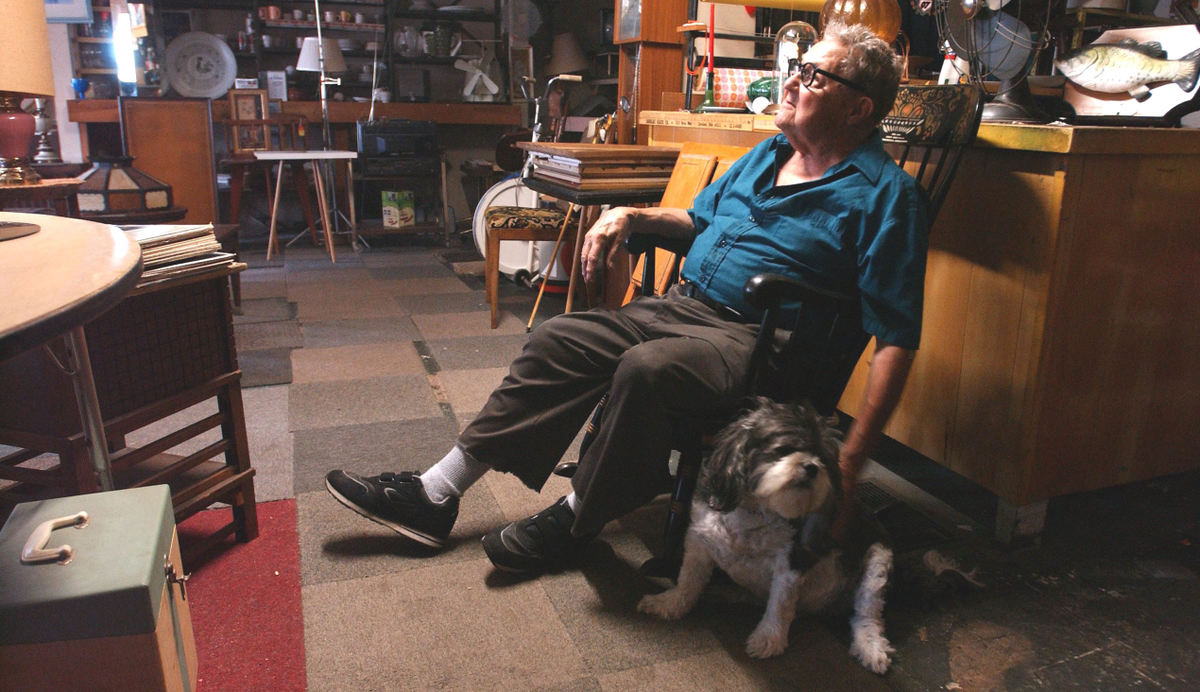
726, 474
827, 442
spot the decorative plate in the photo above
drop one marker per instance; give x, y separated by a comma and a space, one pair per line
200, 65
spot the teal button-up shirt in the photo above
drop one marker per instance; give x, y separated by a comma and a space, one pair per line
862, 228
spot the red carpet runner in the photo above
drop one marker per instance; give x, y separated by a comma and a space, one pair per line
245, 602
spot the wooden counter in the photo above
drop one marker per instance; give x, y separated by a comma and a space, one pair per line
105, 111
1061, 348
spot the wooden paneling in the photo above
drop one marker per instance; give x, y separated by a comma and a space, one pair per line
1061, 344
172, 141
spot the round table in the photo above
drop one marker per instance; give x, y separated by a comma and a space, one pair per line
51, 284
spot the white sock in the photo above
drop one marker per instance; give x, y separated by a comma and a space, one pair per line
451, 476
573, 502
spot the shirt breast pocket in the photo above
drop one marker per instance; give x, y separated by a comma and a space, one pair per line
821, 242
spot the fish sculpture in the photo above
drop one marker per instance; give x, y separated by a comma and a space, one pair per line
1128, 66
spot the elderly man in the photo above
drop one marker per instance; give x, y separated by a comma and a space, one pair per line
822, 201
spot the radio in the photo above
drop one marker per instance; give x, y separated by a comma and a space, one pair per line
396, 138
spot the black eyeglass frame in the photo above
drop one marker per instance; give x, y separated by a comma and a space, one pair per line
808, 72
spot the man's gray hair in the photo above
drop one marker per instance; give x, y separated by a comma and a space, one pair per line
870, 62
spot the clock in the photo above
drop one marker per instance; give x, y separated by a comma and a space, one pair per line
200, 65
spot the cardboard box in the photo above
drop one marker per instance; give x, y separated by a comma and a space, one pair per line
398, 209
110, 618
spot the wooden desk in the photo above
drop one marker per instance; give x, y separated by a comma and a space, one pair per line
591, 199
316, 156
1061, 346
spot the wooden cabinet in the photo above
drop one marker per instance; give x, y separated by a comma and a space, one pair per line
92, 55
651, 59
1061, 344
163, 349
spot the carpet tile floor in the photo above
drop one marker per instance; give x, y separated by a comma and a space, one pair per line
374, 363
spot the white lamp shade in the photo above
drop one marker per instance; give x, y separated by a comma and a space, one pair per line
309, 60
25, 49
566, 55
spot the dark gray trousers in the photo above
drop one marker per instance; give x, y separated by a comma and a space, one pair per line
658, 357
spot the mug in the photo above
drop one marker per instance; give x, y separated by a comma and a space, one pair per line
298, 15
382, 95
273, 12
346, 16
266, 40
359, 17
330, 16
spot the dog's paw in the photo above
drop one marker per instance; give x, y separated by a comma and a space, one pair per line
873, 654
668, 605
766, 641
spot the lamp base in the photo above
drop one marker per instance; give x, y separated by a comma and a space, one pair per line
16, 139
17, 172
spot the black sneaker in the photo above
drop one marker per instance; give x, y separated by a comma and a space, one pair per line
398, 501
541, 543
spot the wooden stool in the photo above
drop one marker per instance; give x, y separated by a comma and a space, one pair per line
515, 223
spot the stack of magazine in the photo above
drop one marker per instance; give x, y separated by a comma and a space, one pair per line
173, 250
601, 166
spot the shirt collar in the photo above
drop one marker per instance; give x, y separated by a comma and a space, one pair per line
869, 158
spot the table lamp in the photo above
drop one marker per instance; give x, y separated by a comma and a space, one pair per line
566, 55
26, 73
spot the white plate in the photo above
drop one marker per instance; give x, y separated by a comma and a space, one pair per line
200, 65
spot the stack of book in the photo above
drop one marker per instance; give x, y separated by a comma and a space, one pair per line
601, 166
171, 250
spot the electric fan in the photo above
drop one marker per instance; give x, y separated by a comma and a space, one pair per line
997, 45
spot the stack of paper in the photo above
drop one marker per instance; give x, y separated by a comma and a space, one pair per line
602, 166
173, 250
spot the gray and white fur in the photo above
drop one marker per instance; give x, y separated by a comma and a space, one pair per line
763, 514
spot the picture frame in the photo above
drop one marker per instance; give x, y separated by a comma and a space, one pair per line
68, 11
249, 104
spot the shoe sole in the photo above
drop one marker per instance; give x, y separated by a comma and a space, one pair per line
407, 532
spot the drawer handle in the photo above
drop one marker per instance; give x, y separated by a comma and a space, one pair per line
35, 548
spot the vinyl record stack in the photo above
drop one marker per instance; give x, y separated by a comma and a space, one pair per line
171, 251
601, 166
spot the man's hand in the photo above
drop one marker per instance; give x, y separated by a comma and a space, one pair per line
602, 241
850, 462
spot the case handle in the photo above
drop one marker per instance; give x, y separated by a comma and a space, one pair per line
35, 549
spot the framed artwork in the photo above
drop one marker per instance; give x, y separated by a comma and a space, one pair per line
69, 11
249, 104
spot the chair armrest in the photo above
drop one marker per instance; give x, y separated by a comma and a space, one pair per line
640, 243
765, 291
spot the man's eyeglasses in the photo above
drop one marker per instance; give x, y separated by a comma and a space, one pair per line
808, 72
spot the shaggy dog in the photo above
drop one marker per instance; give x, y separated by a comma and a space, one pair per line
763, 512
